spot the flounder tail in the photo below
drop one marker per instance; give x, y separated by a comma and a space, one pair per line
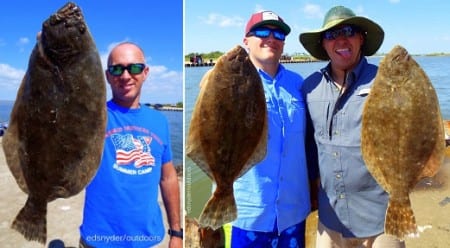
400, 220
31, 222
219, 210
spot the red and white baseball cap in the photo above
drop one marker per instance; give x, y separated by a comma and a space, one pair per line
266, 18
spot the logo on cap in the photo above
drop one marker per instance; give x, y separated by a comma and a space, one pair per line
269, 16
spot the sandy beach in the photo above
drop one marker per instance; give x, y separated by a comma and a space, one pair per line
430, 201
63, 216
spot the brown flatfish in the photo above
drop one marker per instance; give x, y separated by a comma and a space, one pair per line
402, 135
202, 237
447, 133
228, 130
54, 142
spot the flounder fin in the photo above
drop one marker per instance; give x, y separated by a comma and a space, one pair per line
219, 210
437, 155
400, 220
194, 152
31, 222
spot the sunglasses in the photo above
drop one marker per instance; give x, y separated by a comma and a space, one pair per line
133, 69
263, 32
347, 31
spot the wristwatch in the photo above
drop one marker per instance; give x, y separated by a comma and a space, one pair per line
178, 234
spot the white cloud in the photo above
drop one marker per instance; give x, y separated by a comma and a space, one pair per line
10, 79
359, 11
23, 41
163, 86
259, 8
223, 21
313, 11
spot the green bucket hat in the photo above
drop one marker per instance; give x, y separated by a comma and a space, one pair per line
341, 15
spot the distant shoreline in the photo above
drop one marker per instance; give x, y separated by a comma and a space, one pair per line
165, 106
211, 58
308, 59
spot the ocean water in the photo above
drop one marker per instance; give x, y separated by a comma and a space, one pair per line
198, 185
175, 119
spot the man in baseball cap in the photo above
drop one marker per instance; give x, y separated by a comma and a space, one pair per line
272, 198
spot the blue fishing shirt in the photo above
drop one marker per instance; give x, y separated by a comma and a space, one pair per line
121, 203
350, 200
276, 190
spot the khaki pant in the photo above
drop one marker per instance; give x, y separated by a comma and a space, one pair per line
327, 238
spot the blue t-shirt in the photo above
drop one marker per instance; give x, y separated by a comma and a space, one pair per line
121, 203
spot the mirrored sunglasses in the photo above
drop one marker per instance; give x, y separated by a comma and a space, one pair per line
347, 31
133, 69
263, 32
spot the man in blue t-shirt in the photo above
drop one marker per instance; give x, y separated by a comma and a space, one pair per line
121, 205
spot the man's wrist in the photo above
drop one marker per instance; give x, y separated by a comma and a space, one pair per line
175, 233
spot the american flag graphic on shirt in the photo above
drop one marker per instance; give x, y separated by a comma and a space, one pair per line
133, 150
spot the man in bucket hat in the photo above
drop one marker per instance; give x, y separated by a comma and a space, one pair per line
351, 204
272, 198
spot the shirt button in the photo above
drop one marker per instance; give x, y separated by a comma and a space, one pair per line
335, 154
341, 196
338, 176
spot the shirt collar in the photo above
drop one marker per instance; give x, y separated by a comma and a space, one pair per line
352, 76
266, 76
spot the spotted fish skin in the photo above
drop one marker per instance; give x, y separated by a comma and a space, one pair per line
402, 137
228, 130
55, 138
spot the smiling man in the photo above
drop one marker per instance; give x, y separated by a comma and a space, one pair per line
121, 206
351, 204
272, 198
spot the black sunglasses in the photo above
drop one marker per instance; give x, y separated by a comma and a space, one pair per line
263, 32
133, 69
346, 31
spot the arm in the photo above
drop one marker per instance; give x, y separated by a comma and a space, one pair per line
170, 193
312, 162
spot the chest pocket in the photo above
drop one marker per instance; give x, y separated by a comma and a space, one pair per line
296, 115
352, 113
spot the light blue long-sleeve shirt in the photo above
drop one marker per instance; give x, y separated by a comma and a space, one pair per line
276, 190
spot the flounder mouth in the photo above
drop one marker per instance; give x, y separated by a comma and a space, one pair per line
62, 34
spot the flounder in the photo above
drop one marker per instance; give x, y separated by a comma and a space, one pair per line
228, 130
198, 237
447, 132
54, 142
402, 135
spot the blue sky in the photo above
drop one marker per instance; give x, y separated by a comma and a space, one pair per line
156, 27
419, 26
